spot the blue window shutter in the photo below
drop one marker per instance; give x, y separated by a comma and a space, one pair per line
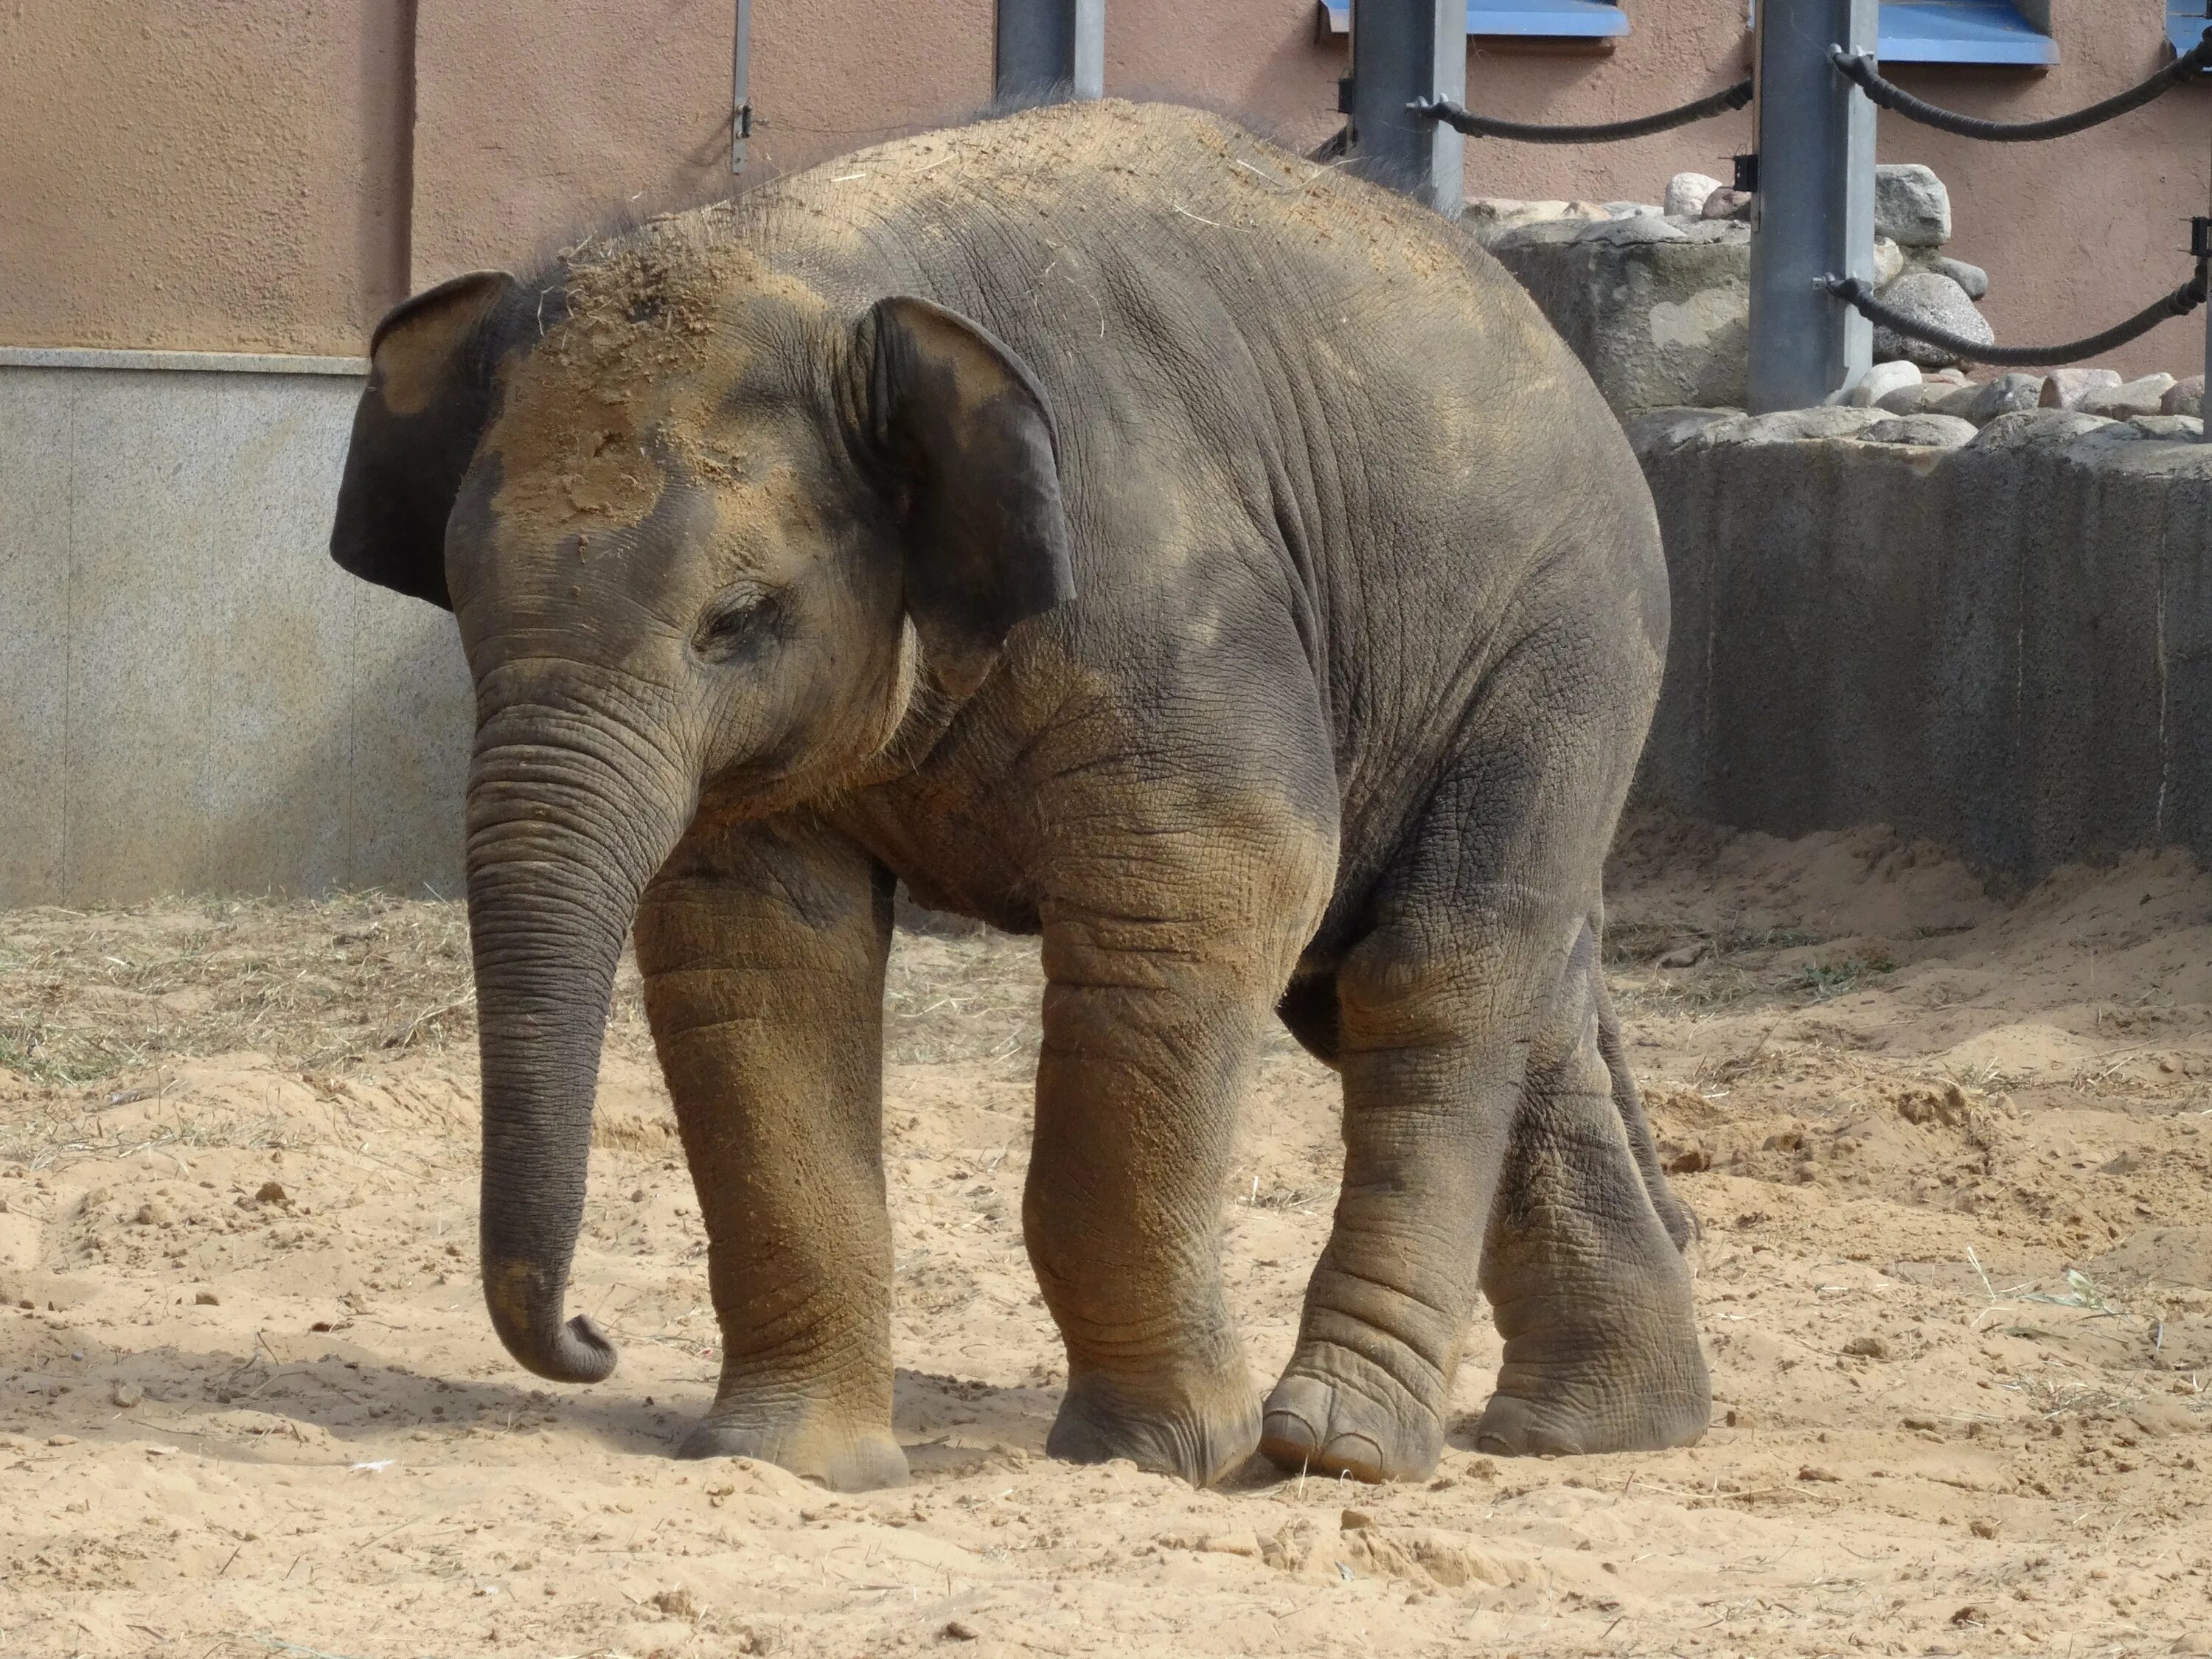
1566, 20
1961, 32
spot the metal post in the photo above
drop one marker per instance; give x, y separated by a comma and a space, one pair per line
1813, 212
1403, 50
741, 96
1048, 50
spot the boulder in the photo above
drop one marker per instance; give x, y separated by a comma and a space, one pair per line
2006, 395
1938, 302
1686, 193
2184, 397
1658, 309
1911, 206
1725, 203
1881, 381
2120, 402
1888, 262
2070, 388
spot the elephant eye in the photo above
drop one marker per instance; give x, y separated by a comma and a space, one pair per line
738, 625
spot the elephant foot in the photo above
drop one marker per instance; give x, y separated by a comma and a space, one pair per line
1199, 1432
842, 1456
1331, 1415
1641, 1386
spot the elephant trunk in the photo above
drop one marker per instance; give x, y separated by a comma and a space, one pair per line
564, 833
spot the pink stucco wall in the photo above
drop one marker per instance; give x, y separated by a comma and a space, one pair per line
215, 175
244, 173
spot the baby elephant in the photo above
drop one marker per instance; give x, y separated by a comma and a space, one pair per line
1118, 530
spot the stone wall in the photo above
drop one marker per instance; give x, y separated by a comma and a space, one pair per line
193, 698
2000, 638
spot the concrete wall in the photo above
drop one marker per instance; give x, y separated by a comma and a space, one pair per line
193, 698
2005, 646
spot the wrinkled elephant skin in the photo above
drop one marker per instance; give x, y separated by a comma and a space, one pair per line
1119, 529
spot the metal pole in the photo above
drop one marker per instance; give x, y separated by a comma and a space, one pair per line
1403, 50
741, 97
1813, 212
1049, 50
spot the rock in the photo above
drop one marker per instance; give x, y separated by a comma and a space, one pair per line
1245, 1544
1948, 376
958, 1629
2173, 428
2070, 388
1726, 204
677, 1603
1867, 1347
1911, 206
2143, 397
1785, 426
1657, 309
1626, 233
207, 1300
152, 1213
1882, 380
1631, 210
1938, 302
2036, 427
1924, 430
1888, 262
1487, 215
1686, 956
2184, 397
61, 1440
1686, 194
1355, 1521
1984, 402
1972, 278
125, 1395
272, 1192
1916, 399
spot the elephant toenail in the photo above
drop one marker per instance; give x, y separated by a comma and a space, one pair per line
1346, 1449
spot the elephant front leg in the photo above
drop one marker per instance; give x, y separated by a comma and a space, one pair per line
763, 948
1146, 1056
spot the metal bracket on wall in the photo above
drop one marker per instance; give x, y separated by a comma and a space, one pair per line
741, 101
1747, 174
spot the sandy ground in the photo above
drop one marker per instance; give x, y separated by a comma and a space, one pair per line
1950, 1149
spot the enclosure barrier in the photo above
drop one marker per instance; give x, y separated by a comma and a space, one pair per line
1816, 86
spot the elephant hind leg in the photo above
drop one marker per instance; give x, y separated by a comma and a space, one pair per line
1585, 1278
1676, 1216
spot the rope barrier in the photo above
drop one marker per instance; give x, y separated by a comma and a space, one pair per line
1858, 293
1859, 68
1531, 133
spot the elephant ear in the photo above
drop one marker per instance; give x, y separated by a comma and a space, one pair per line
972, 460
429, 399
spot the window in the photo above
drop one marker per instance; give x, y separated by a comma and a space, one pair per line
2185, 23
1567, 20
1968, 32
